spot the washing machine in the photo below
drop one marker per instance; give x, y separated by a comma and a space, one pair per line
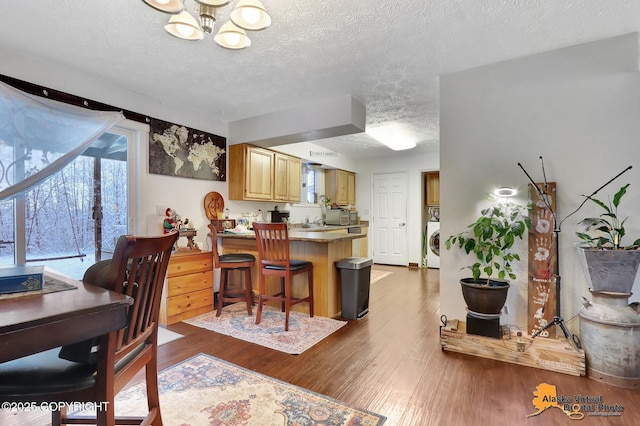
433, 245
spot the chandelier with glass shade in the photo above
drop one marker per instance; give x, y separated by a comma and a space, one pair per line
247, 15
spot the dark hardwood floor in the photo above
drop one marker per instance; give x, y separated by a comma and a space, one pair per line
390, 362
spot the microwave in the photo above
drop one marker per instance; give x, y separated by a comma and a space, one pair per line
337, 217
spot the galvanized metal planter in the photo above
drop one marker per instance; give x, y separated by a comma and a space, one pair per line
610, 270
610, 335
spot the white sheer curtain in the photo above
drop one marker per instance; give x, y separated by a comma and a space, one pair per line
39, 137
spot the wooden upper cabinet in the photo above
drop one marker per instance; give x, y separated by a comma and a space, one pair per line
281, 187
351, 189
250, 173
260, 174
340, 186
295, 179
432, 188
287, 178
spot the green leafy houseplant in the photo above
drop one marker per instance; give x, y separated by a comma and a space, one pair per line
326, 201
609, 266
491, 238
607, 230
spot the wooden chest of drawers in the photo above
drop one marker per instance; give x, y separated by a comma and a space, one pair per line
190, 285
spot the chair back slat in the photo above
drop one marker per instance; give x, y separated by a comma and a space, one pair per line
138, 269
214, 246
273, 243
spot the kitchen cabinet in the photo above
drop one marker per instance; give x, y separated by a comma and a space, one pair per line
250, 173
432, 189
340, 186
287, 178
259, 174
360, 247
351, 189
189, 286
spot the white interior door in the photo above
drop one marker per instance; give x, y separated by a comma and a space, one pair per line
389, 231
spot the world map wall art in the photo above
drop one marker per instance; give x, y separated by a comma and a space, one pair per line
176, 150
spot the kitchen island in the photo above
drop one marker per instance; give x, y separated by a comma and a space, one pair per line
317, 246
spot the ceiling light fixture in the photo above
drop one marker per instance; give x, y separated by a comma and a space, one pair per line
394, 135
247, 15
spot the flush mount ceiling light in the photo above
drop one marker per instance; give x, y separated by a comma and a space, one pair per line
247, 15
396, 136
505, 191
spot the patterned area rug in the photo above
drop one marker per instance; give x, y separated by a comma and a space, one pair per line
378, 275
304, 332
204, 390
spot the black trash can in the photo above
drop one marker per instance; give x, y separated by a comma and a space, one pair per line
355, 277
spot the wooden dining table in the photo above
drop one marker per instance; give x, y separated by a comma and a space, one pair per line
36, 322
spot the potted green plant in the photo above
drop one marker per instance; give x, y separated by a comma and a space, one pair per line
490, 241
609, 265
325, 201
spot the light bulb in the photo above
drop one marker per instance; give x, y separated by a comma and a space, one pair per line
232, 39
250, 14
184, 30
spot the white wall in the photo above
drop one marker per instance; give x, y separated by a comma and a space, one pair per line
184, 195
303, 149
578, 108
413, 165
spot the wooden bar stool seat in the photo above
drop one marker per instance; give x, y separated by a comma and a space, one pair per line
232, 262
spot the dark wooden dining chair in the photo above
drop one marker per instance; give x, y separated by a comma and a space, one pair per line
96, 370
232, 262
275, 260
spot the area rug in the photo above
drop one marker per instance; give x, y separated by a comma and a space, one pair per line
304, 332
377, 275
204, 390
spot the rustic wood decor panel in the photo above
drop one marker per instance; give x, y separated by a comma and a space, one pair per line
546, 354
542, 261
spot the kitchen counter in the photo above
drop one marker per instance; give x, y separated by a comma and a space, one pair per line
308, 235
323, 247
327, 228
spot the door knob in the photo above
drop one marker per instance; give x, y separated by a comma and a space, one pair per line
402, 224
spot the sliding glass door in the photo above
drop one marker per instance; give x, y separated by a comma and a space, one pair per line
74, 218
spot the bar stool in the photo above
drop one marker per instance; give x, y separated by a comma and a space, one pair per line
231, 262
275, 259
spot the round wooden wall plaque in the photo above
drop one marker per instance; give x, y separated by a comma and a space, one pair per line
213, 204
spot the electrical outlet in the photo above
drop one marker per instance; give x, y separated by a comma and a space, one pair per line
161, 210
505, 310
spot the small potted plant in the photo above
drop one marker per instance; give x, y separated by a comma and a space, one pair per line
490, 240
609, 265
325, 201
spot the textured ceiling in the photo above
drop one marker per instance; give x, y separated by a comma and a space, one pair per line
387, 54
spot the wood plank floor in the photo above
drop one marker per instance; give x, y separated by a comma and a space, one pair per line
390, 362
